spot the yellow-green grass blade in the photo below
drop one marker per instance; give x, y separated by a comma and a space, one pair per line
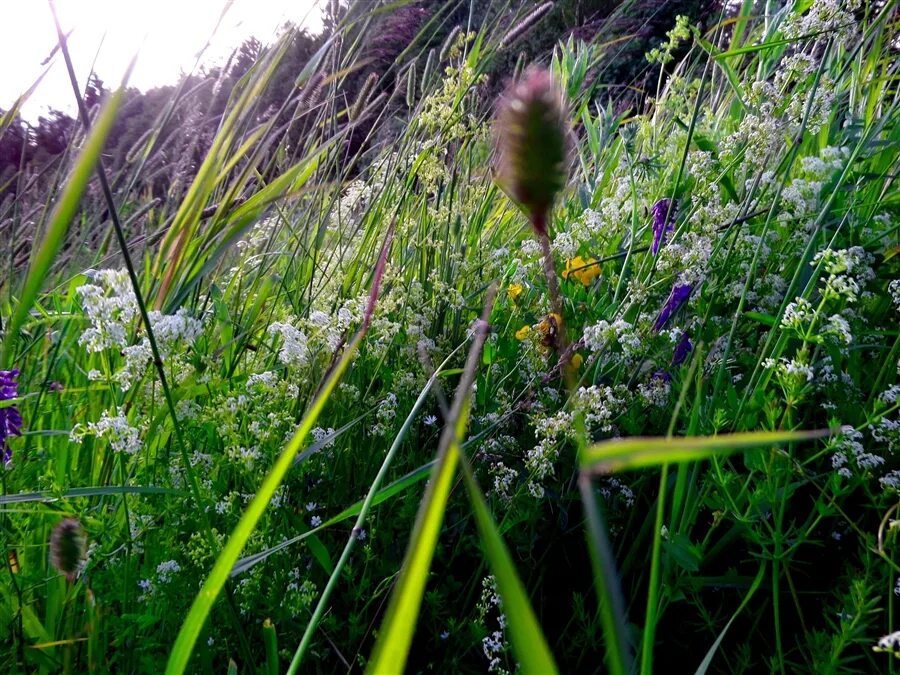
528, 642
202, 605
394, 639
399, 624
623, 454
62, 215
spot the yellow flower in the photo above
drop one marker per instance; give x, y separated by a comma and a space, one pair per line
577, 360
523, 332
585, 270
514, 291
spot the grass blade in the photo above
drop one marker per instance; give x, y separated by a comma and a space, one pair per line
527, 639
399, 624
202, 605
623, 454
63, 212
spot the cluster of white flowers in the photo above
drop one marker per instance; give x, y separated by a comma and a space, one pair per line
266, 380
823, 16
540, 460
849, 270
164, 573
613, 488
565, 245
601, 405
384, 415
504, 481
829, 160
798, 315
115, 429
889, 643
174, 334
655, 392
494, 645
792, 374
329, 328
110, 305
894, 290
850, 452
603, 336
324, 436
165, 570
294, 351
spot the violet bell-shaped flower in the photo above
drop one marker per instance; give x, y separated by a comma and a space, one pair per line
663, 223
682, 349
10, 417
676, 300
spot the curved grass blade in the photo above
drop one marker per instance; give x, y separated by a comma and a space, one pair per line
395, 636
528, 641
394, 488
48, 496
607, 584
202, 605
62, 215
622, 454
757, 582
363, 512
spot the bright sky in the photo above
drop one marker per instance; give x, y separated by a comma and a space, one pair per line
167, 35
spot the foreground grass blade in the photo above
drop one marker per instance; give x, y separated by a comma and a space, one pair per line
363, 512
757, 582
525, 635
63, 212
48, 496
607, 584
202, 605
622, 454
399, 623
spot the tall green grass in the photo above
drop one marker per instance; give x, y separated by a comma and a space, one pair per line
723, 512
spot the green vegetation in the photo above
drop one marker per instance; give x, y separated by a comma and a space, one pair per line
315, 392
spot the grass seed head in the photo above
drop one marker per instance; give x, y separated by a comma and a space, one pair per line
531, 137
67, 546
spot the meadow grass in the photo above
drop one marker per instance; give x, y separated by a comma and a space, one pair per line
329, 410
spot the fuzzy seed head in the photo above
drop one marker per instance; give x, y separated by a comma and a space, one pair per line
532, 143
67, 546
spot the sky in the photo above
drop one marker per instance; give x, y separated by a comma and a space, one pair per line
166, 35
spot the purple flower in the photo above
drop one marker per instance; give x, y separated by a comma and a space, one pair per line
682, 349
10, 418
663, 223
679, 295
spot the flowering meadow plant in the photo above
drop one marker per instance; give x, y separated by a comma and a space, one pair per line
587, 385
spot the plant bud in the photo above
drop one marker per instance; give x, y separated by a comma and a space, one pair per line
531, 144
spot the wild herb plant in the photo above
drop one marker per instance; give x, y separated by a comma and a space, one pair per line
673, 433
